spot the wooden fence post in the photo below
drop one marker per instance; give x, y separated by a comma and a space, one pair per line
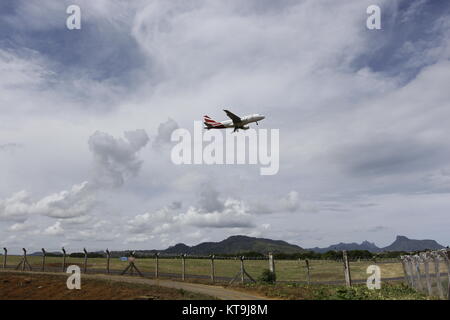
308, 276
85, 260
348, 278
5, 256
183, 267
108, 256
64, 260
213, 271
426, 259
157, 265
43, 259
438, 276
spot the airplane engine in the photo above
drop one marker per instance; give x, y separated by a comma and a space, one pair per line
245, 128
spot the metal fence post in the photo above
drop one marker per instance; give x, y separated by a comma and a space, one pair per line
213, 271
183, 267
157, 265
425, 258
108, 256
43, 259
437, 270
405, 270
308, 276
416, 260
85, 260
64, 260
412, 271
24, 258
242, 270
5, 257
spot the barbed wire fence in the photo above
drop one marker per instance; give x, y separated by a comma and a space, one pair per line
426, 272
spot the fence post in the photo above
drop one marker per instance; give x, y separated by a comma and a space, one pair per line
5, 257
183, 269
426, 259
43, 259
108, 256
438, 276
157, 265
24, 258
308, 276
85, 260
213, 271
271, 263
348, 279
405, 270
64, 260
242, 270
416, 260
446, 255
412, 271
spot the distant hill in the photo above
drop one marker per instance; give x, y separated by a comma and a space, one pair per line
234, 245
365, 245
244, 244
402, 243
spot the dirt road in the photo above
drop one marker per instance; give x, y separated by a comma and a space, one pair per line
214, 291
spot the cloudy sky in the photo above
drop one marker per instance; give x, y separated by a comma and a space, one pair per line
86, 117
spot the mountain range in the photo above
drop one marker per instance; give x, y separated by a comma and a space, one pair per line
401, 243
240, 244
243, 244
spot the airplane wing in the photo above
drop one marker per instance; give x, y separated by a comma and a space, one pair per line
233, 117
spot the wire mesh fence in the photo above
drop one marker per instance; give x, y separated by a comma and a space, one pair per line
206, 268
428, 272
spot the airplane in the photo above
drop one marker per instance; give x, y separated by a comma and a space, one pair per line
236, 122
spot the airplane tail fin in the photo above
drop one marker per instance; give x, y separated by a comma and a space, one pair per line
210, 123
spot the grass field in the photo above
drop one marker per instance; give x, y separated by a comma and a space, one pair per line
286, 270
293, 291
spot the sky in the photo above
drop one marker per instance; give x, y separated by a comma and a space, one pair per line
86, 118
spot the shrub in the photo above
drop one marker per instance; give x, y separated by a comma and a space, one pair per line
267, 276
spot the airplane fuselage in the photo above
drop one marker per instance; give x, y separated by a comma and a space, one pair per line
241, 124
